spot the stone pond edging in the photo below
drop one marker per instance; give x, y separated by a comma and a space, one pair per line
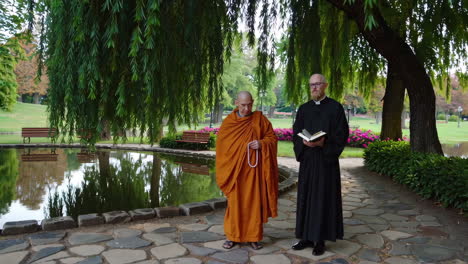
114, 217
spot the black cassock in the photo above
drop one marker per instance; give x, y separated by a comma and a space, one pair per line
319, 210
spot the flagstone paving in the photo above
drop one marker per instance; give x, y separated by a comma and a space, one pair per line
384, 223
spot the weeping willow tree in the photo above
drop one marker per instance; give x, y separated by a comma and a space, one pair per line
133, 64
420, 41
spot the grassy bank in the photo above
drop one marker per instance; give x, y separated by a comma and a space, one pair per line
32, 115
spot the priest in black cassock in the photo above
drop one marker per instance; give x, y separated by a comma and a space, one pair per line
319, 214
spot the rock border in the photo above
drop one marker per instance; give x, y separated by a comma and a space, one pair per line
115, 217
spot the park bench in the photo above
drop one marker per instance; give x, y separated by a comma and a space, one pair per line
195, 137
28, 156
29, 132
194, 168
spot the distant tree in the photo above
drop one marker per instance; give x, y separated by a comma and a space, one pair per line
13, 15
10, 53
26, 73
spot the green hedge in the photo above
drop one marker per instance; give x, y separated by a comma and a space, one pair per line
429, 175
453, 118
170, 142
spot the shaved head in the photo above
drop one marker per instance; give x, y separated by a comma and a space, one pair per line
244, 103
244, 95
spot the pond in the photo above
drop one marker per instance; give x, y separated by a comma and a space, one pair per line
42, 183
456, 150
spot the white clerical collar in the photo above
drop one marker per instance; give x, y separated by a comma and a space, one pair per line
318, 102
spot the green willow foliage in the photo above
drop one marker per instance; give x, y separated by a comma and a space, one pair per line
134, 64
436, 30
323, 39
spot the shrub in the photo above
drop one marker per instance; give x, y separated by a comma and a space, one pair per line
170, 142
429, 175
284, 134
361, 139
441, 117
453, 118
213, 130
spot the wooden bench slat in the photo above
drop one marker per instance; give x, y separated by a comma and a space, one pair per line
39, 157
194, 168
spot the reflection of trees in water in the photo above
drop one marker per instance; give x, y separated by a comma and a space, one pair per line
178, 187
35, 176
456, 150
109, 188
131, 184
155, 181
8, 176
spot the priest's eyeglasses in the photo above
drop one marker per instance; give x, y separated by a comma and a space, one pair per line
317, 84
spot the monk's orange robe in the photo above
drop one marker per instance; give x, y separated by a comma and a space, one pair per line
252, 193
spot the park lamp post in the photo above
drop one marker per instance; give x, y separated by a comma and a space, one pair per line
460, 110
349, 109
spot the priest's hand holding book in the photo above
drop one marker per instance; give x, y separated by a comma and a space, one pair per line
313, 140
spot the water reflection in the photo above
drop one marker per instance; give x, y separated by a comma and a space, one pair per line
8, 176
80, 182
456, 150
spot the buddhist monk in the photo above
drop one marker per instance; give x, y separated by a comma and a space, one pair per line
319, 214
247, 172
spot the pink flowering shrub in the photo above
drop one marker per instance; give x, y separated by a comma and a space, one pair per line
361, 139
284, 134
213, 130
357, 138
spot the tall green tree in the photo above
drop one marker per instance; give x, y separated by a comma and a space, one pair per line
13, 16
10, 53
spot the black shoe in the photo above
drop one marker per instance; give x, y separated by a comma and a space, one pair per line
319, 249
301, 244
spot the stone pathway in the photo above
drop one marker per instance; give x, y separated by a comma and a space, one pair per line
384, 223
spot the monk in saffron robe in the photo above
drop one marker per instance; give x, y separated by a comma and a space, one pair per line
247, 172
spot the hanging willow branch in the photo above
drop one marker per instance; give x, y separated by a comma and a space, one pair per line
134, 64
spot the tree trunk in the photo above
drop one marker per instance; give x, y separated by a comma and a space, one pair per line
403, 118
19, 98
155, 179
387, 42
271, 111
392, 105
36, 98
104, 164
105, 133
218, 113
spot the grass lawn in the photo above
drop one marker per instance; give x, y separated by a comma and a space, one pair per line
285, 149
23, 115
32, 115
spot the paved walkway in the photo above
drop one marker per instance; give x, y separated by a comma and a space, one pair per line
384, 223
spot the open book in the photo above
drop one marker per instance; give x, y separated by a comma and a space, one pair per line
307, 136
